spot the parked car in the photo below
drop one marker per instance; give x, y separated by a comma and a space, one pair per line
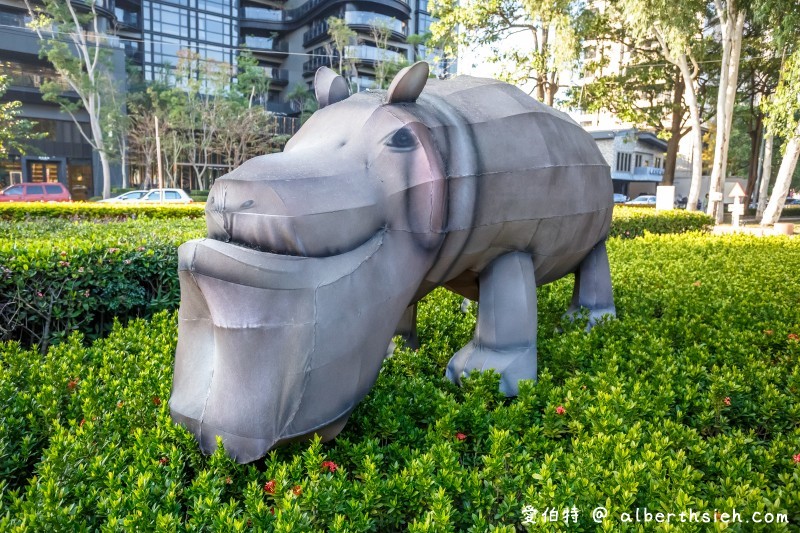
35, 192
171, 196
792, 201
620, 198
643, 199
126, 197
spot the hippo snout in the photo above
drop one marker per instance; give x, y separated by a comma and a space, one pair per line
294, 215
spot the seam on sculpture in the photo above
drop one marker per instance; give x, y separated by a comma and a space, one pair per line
306, 369
211, 378
313, 346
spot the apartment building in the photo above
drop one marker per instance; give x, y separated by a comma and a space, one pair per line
289, 38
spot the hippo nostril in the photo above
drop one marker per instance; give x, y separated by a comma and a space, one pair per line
247, 204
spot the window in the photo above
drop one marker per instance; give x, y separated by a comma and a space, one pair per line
658, 162
638, 161
172, 195
16, 190
623, 162
53, 189
35, 189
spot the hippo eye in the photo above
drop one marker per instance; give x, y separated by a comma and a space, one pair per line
402, 139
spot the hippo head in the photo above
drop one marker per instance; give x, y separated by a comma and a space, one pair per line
312, 256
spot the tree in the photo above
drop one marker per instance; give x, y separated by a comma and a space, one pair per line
303, 100
730, 20
82, 58
15, 132
675, 27
381, 31
549, 33
783, 119
342, 36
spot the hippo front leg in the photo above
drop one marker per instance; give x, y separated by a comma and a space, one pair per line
406, 328
593, 287
505, 337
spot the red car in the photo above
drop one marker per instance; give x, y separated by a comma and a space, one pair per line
35, 192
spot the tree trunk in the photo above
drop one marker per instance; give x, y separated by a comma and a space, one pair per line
124, 163
783, 180
756, 136
766, 174
670, 163
106, 174
729, 72
697, 134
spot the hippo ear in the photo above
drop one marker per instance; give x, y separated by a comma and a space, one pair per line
408, 83
329, 87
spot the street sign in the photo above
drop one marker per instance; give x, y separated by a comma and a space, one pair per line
737, 191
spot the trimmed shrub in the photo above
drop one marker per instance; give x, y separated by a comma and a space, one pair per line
19, 211
630, 222
688, 401
58, 276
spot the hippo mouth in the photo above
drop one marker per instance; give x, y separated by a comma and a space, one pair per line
274, 346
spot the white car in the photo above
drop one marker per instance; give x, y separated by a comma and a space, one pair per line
644, 199
171, 196
126, 197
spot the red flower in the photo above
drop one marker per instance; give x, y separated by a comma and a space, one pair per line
796, 458
794, 337
330, 465
228, 480
727, 400
120, 404
297, 490
560, 410
83, 421
269, 486
72, 384
461, 436
156, 401
164, 461
697, 283
768, 332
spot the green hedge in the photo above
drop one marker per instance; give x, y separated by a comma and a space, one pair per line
690, 400
57, 276
630, 222
19, 211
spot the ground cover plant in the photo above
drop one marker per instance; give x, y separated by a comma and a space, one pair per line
689, 400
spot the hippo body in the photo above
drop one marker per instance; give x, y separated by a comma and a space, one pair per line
316, 256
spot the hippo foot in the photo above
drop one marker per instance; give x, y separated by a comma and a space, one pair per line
594, 315
513, 364
592, 292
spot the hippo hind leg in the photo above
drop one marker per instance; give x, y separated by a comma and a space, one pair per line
505, 337
593, 287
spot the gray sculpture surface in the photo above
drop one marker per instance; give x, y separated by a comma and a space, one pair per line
315, 256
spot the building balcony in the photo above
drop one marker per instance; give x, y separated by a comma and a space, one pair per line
318, 33
368, 19
648, 171
277, 76
263, 14
311, 66
32, 79
257, 43
371, 55
127, 20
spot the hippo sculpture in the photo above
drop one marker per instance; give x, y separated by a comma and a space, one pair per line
316, 256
